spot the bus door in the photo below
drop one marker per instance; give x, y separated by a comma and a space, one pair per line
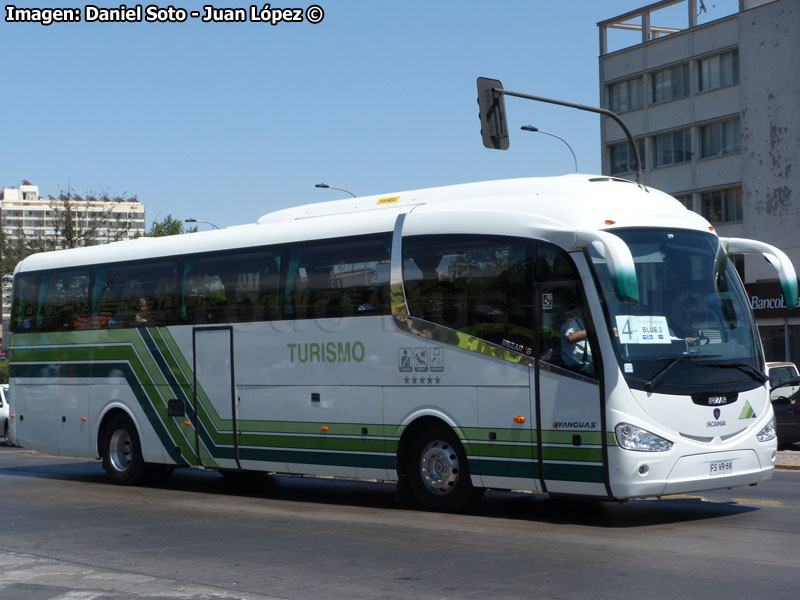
215, 398
568, 392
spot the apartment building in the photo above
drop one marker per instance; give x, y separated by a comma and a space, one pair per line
24, 213
712, 103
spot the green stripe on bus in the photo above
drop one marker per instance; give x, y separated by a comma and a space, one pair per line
582, 473
526, 436
322, 442
502, 468
105, 370
550, 436
502, 450
573, 453
366, 461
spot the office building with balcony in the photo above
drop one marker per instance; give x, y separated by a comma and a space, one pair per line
710, 93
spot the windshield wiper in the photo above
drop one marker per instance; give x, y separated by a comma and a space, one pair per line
672, 362
756, 374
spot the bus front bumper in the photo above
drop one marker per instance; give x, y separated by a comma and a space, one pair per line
647, 475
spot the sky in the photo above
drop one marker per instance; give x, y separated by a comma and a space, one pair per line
228, 121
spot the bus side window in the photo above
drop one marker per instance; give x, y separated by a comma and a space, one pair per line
347, 277
480, 285
25, 303
141, 294
231, 288
65, 301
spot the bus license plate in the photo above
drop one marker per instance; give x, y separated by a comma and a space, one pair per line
723, 467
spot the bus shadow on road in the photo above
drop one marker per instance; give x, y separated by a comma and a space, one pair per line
604, 513
494, 503
533, 508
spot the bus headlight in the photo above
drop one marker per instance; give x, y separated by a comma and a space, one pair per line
631, 437
768, 433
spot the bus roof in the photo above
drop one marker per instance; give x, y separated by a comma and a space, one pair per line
569, 202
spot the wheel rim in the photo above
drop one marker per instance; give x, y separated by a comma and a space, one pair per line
120, 450
438, 467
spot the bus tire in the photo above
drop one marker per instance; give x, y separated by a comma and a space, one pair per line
122, 452
438, 475
7, 436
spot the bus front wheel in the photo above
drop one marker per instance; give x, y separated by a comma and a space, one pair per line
438, 476
122, 452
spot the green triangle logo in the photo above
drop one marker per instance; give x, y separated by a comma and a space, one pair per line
747, 411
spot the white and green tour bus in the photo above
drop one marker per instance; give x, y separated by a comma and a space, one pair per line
576, 335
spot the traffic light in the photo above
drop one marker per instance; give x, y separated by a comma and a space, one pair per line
492, 106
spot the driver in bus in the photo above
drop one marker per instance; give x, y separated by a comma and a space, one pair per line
576, 352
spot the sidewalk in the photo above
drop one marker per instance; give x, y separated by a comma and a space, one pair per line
788, 459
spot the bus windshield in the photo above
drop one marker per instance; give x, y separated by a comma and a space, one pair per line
691, 331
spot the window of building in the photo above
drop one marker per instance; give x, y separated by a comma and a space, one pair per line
670, 83
626, 95
738, 264
673, 147
687, 200
719, 71
622, 158
722, 206
721, 138
794, 343
773, 339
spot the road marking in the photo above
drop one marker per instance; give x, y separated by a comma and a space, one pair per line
760, 502
683, 497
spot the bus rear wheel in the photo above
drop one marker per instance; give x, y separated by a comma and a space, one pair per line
438, 475
122, 452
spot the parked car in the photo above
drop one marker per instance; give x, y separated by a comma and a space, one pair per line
4, 411
778, 373
786, 404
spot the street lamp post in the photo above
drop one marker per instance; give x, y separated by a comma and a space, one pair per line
190, 220
537, 130
325, 186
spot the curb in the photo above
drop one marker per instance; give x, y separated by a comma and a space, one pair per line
788, 467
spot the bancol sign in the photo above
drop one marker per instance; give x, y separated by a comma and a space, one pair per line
766, 300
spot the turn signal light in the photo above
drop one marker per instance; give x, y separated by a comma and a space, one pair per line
519, 419
187, 423
13, 416
324, 428
83, 419
610, 222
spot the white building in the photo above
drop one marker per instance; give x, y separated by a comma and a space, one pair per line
23, 212
714, 108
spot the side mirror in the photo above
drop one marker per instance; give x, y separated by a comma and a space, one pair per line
619, 259
777, 258
492, 107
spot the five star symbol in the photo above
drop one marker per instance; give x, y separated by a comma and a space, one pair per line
422, 380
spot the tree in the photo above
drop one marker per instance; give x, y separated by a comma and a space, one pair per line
168, 226
77, 221
14, 248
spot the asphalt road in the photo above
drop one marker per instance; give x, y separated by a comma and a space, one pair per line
67, 535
